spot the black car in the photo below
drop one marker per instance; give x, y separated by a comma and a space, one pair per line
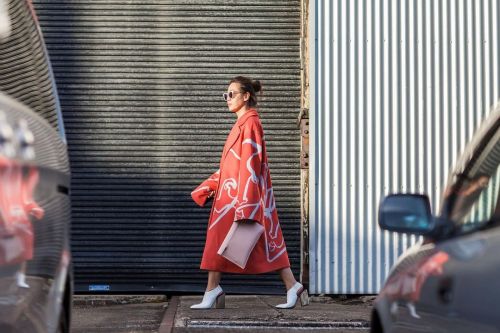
35, 210
450, 280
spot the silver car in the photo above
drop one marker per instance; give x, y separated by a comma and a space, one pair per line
35, 210
450, 281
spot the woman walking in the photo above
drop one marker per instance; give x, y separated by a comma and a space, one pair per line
242, 192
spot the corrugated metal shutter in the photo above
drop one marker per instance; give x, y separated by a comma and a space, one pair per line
400, 87
140, 86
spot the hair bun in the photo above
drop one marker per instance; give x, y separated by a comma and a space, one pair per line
257, 86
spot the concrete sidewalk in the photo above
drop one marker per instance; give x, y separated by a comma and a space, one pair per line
243, 313
117, 314
257, 314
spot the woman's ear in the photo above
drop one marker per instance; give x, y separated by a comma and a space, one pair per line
246, 96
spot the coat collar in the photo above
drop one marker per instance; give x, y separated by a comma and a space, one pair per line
235, 133
244, 117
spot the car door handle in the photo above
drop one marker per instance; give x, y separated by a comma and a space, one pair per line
63, 189
445, 290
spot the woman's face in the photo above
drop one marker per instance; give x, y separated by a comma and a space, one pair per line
238, 100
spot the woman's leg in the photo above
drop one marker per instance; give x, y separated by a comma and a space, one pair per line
213, 280
287, 277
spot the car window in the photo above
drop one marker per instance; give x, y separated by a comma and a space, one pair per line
477, 197
25, 72
483, 209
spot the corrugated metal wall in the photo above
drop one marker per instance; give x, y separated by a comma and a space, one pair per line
141, 86
400, 87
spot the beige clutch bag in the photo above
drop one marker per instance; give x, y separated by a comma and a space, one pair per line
240, 241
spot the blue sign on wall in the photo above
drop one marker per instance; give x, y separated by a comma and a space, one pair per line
99, 287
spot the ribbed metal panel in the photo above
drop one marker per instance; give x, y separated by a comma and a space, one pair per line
140, 84
400, 87
25, 72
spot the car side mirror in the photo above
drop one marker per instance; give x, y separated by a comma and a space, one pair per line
406, 213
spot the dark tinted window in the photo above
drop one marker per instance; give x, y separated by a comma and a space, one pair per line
477, 197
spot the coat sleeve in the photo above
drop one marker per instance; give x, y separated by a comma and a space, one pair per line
250, 167
206, 189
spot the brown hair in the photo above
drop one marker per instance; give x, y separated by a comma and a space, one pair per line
248, 86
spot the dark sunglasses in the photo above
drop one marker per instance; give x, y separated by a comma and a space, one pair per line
229, 95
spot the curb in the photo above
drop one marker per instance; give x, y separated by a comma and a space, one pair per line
302, 325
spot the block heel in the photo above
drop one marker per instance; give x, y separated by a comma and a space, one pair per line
304, 298
220, 303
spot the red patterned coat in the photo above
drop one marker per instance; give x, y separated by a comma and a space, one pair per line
242, 190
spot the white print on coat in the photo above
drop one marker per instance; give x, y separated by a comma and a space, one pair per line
269, 209
228, 185
235, 155
266, 200
239, 213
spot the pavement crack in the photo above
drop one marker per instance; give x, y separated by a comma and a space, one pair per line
276, 313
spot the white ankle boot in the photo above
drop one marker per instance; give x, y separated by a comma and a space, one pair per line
293, 295
21, 280
213, 298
